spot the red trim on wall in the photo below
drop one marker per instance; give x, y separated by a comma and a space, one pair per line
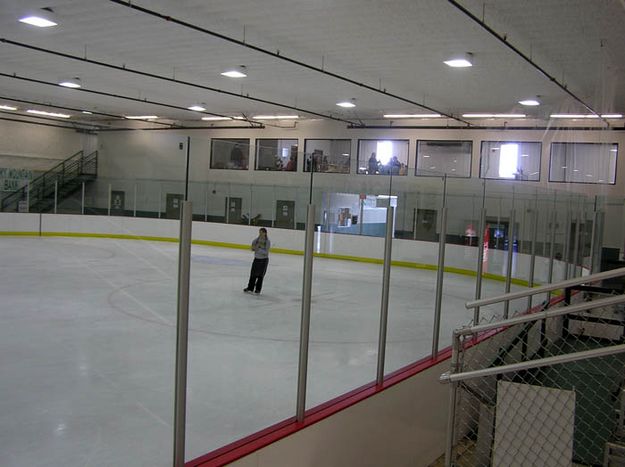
260, 439
249, 444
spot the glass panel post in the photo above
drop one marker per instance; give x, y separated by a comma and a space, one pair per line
134, 207
530, 281
480, 255
576, 242
184, 270
82, 202
305, 321
56, 194
510, 256
109, 202
440, 273
386, 279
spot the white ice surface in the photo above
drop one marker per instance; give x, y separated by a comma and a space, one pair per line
87, 344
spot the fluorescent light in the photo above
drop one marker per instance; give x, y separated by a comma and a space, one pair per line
42, 18
237, 72
275, 117
215, 119
530, 102
48, 114
493, 115
525, 155
347, 104
460, 61
611, 115
425, 157
574, 116
197, 108
411, 115
140, 117
7, 107
575, 170
73, 83
564, 167
87, 112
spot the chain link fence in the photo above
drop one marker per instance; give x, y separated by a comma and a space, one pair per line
521, 397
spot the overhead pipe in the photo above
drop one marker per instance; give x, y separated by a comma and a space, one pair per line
504, 41
171, 80
279, 56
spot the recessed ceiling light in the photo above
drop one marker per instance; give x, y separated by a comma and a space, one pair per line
48, 114
215, 119
7, 107
42, 18
460, 61
197, 107
140, 117
531, 102
236, 72
347, 104
411, 115
275, 117
73, 83
493, 115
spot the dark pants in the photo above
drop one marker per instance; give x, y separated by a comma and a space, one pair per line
259, 268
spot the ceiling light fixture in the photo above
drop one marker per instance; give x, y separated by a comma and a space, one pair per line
48, 114
73, 83
215, 119
611, 115
275, 117
141, 117
412, 115
236, 72
87, 112
42, 18
494, 115
574, 116
460, 61
531, 102
347, 104
197, 107
7, 107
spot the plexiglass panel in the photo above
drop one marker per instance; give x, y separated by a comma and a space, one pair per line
452, 158
583, 163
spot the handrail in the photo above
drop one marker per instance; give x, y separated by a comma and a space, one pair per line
496, 370
609, 301
546, 288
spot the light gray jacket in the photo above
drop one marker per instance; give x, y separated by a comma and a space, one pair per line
261, 251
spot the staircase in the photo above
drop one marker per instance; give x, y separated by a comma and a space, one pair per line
58, 183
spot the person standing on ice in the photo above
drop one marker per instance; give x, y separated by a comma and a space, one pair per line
260, 247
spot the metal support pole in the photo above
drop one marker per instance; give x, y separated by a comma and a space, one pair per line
361, 216
578, 225
506, 307
567, 243
439, 282
182, 327
206, 205
56, 194
386, 281
28, 196
110, 199
305, 322
160, 200
480, 256
552, 247
82, 203
593, 242
451, 411
134, 208
530, 281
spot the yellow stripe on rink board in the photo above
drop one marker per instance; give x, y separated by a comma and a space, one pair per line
284, 251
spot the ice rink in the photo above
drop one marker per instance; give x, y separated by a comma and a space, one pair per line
87, 344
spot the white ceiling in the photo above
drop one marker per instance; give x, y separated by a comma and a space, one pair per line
394, 45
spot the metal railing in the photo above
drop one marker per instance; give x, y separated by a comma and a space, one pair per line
48, 189
516, 381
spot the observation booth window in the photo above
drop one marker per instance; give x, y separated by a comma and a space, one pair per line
327, 155
583, 163
276, 154
356, 213
383, 157
231, 154
510, 160
438, 157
